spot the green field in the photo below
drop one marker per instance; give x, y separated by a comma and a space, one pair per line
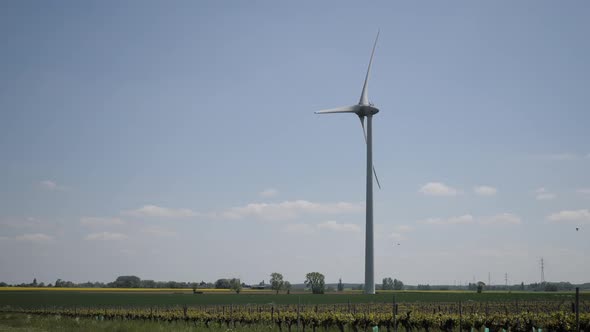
26, 299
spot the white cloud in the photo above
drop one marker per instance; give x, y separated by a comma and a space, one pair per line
500, 219
583, 191
29, 222
289, 210
438, 189
560, 156
36, 238
545, 197
299, 228
266, 211
464, 219
336, 227
159, 231
97, 222
48, 184
331, 225
582, 216
128, 252
389, 231
51, 185
404, 228
395, 236
270, 192
161, 212
106, 236
501, 253
485, 190
543, 194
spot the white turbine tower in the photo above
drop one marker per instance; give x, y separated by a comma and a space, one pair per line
364, 109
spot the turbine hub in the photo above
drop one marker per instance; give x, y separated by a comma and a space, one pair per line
366, 110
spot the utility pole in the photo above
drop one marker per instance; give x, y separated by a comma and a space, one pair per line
506, 279
489, 279
542, 270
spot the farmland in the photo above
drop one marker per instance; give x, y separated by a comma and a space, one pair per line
164, 297
103, 309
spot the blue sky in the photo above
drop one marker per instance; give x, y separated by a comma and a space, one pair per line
177, 141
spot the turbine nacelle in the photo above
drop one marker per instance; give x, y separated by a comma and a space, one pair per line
360, 110
365, 110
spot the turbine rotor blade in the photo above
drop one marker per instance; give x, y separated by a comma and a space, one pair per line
345, 109
364, 95
376, 178
362, 118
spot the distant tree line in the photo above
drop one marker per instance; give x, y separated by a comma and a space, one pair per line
135, 282
481, 286
314, 281
120, 282
534, 287
554, 286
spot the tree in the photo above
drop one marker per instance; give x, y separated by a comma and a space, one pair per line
222, 283
34, 282
63, 283
174, 284
480, 286
276, 281
423, 287
315, 281
387, 284
127, 282
340, 285
235, 285
550, 287
398, 284
147, 284
287, 286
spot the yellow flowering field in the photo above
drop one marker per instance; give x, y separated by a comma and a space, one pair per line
92, 289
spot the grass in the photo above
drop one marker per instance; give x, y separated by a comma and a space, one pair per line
42, 298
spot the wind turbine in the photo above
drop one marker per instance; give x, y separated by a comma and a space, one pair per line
365, 109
